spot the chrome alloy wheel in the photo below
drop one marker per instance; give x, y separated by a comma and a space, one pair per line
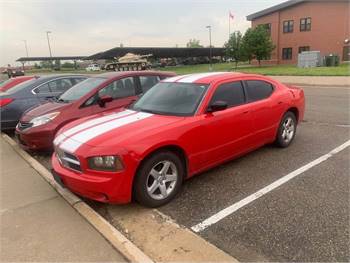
161, 180
288, 129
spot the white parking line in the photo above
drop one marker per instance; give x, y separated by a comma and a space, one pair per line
233, 208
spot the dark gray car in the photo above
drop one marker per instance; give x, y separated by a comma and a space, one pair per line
15, 101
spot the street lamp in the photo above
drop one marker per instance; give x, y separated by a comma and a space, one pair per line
210, 49
25, 45
48, 43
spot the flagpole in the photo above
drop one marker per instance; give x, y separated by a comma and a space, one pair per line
229, 26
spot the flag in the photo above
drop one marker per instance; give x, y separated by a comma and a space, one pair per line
231, 15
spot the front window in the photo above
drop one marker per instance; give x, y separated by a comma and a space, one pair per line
288, 26
303, 49
81, 89
287, 53
168, 98
305, 24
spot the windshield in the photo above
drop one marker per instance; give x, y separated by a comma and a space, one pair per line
20, 86
168, 98
81, 89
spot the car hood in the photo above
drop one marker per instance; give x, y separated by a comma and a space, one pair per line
118, 128
42, 109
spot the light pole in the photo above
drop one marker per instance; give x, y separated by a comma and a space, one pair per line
210, 49
48, 43
25, 45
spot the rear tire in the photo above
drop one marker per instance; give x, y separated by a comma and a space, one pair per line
286, 130
159, 179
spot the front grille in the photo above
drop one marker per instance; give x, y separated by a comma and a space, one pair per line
24, 125
68, 160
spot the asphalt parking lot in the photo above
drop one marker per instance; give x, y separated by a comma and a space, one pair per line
304, 219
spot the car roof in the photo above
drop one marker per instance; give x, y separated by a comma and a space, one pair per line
207, 78
53, 76
114, 74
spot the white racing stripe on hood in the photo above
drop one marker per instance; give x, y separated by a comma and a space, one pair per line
195, 77
71, 144
89, 124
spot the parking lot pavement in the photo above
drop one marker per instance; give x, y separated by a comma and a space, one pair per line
37, 224
305, 219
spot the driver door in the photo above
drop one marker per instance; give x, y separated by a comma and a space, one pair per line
228, 132
123, 92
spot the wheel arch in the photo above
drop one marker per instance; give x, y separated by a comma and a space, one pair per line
178, 150
295, 111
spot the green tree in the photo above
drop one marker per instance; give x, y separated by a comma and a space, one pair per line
193, 43
233, 47
257, 44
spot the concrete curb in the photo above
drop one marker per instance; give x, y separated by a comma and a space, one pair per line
116, 238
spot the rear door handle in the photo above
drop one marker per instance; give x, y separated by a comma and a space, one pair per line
280, 102
245, 112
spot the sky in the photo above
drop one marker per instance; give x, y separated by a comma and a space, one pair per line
86, 27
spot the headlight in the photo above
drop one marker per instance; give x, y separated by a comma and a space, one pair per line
44, 119
105, 163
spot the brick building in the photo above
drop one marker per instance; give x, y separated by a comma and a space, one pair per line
302, 25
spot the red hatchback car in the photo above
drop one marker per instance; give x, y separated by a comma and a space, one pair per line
6, 85
181, 127
104, 92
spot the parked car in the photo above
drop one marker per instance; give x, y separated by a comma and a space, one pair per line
15, 101
104, 92
182, 126
13, 72
7, 84
93, 67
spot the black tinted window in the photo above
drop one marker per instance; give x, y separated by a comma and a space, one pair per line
148, 82
119, 89
232, 93
60, 85
43, 89
258, 90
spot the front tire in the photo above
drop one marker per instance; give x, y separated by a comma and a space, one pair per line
286, 130
159, 179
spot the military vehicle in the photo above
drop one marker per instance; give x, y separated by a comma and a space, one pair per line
129, 61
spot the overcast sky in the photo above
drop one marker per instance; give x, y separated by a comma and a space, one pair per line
87, 27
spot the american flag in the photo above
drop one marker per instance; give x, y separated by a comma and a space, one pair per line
231, 15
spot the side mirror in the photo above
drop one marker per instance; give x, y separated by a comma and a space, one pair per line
103, 100
218, 105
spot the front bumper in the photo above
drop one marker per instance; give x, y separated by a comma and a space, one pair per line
105, 187
37, 138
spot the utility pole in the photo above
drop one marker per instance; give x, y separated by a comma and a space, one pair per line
210, 49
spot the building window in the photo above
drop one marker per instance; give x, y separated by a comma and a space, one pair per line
305, 24
288, 26
267, 27
305, 48
287, 53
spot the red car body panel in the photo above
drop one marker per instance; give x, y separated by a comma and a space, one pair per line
41, 137
205, 139
14, 81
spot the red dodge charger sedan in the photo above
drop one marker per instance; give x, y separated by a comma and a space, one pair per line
109, 91
181, 127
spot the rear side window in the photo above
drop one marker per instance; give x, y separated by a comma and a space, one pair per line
42, 89
258, 90
232, 93
119, 89
148, 82
60, 85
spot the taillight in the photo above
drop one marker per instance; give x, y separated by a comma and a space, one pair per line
4, 102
